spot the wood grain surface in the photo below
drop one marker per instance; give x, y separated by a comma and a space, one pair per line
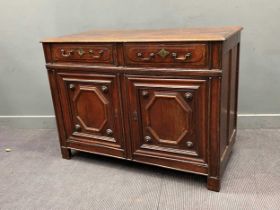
162, 35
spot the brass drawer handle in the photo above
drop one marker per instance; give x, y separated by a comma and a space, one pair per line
66, 54
140, 56
100, 54
186, 57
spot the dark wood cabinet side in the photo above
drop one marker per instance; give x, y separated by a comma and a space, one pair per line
229, 97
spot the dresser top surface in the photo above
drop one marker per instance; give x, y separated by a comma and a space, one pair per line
157, 35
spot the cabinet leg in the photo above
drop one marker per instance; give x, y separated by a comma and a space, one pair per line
66, 153
213, 183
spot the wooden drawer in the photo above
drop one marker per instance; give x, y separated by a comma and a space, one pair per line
89, 53
192, 55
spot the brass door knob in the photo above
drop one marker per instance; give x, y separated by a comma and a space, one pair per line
189, 96
148, 139
72, 86
109, 132
189, 144
77, 127
145, 93
104, 88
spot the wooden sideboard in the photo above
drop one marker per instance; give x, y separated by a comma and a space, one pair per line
162, 97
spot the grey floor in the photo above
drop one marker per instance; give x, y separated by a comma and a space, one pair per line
33, 176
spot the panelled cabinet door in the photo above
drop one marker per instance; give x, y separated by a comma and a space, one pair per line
168, 118
91, 109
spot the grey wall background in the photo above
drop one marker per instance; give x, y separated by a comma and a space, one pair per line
24, 87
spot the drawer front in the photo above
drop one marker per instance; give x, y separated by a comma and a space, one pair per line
91, 110
169, 118
167, 55
92, 53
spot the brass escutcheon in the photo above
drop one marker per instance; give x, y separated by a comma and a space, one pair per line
81, 52
163, 53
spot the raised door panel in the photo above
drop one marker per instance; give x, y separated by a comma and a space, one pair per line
91, 109
169, 118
